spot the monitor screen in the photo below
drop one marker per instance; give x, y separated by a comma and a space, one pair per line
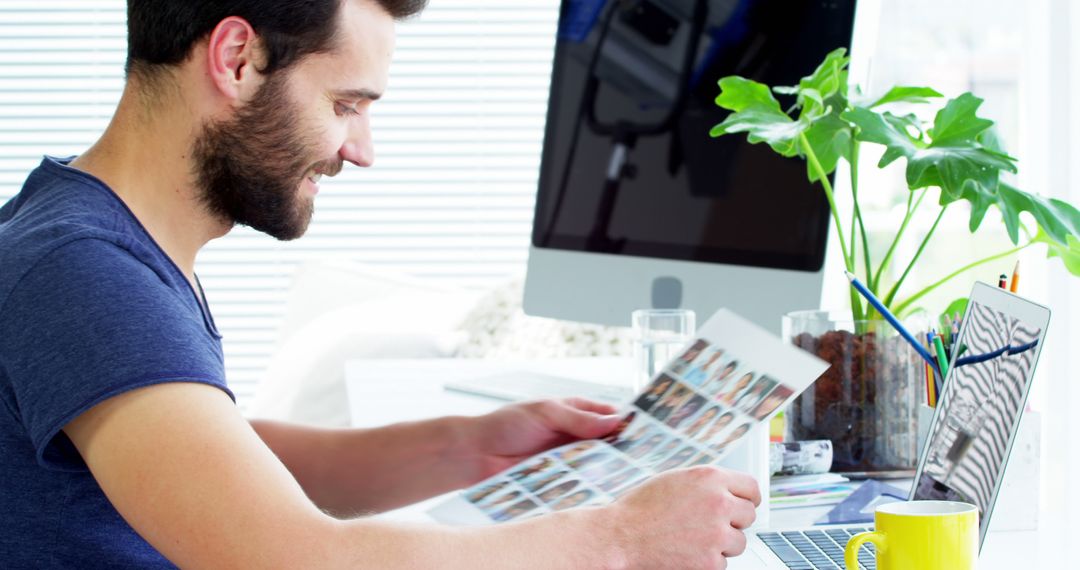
988, 385
628, 164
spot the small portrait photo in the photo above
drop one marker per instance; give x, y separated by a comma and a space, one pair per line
702, 421
709, 363
704, 458
555, 491
572, 500
619, 429
672, 400
634, 435
731, 438
604, 469
619, 479
662, 452
575, 450
499, 502
755, 394
515, 511
643, 448
736, 389
718, 426
690, 355
772, 401
720, 377
687, 410
542, 479
482, 492
531, 468
591, 459
678, 459
654, 392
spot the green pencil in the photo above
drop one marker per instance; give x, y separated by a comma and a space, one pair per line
943, 361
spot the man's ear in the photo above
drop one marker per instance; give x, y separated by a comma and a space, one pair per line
232, 55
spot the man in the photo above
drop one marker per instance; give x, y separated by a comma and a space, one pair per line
121, 442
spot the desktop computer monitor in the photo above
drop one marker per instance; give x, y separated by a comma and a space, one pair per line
637, 205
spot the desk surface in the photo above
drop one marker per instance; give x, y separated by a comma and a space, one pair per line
381, 392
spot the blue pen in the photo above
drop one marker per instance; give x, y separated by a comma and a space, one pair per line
893, 321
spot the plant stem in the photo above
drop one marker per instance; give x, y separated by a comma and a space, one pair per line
812, 157
896, 286
896, 241
854, 164
849, 262
907, 302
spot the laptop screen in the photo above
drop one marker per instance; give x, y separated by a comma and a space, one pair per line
986, 390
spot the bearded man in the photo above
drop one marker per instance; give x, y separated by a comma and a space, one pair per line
122, 446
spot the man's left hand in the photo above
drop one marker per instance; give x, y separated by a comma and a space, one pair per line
507, 436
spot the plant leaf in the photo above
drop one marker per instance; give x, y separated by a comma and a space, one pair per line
958, 123
1068, 252
1057, 220
758, 114
901, 94
873, 127
830, 137
739, 94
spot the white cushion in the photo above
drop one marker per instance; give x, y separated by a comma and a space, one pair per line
339, 312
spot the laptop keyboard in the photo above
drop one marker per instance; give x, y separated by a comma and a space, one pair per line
817, 549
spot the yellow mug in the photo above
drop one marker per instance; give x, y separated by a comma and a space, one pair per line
922, 535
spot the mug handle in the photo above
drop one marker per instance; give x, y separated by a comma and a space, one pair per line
851, 551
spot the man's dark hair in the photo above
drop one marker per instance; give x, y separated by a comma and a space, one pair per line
162, 32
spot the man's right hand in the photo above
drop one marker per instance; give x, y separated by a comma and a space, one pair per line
687, 518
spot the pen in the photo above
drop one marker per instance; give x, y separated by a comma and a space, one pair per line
1015, 278
870, 298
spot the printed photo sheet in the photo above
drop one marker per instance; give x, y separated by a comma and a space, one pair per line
732, 377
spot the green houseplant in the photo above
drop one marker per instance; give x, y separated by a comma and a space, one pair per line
957, 157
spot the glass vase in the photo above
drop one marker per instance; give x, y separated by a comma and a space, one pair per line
867, 402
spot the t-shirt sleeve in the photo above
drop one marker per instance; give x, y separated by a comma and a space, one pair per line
91, 321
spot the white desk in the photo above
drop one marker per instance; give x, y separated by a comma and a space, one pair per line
381, 392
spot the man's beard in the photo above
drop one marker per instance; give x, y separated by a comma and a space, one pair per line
250, 167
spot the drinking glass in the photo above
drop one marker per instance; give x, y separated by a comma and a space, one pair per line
658, 336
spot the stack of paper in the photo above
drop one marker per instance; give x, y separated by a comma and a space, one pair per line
809, 490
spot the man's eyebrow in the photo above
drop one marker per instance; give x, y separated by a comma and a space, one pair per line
367, 94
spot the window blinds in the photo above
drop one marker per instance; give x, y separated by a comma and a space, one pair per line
457, 142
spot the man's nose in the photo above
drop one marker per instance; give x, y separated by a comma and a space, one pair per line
358, 147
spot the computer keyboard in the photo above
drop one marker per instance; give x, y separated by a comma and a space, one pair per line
523, 385
817, 549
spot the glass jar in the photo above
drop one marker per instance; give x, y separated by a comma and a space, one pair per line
867, 402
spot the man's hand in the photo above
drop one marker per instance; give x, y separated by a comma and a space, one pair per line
511, 434
686, 518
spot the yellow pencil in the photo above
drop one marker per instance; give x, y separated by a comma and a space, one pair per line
1015, 278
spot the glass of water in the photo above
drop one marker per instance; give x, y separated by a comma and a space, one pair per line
658, 336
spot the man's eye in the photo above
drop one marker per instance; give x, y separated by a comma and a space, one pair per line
344, 109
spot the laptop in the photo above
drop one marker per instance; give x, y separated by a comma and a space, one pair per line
969, 441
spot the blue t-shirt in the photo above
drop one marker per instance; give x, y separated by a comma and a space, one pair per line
90, 307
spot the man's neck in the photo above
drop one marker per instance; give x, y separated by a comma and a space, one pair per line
145, 158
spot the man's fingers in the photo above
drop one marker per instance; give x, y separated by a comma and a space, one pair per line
744, 486
742, 513
580, 423
591, 406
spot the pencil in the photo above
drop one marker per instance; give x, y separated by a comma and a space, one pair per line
943, 361
1015, 278
880, 307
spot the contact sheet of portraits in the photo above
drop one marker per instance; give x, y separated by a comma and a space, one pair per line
693, 413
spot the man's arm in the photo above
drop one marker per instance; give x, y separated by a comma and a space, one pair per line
196, 481
349, 472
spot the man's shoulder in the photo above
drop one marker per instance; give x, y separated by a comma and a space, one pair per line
58, 215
